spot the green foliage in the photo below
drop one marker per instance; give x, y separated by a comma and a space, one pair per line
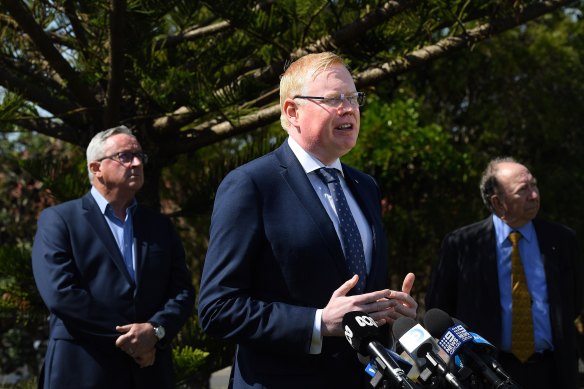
187, 361
22, 312
29, 383
418, 168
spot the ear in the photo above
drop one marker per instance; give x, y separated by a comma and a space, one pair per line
95, 168
498, 205
291, 112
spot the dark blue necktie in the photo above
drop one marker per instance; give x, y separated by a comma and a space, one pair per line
352, 243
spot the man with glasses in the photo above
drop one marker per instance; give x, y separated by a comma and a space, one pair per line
289, 254
113, 276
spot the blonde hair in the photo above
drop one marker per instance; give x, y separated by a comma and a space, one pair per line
298, 75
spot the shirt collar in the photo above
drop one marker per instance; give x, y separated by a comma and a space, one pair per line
103, 204
308, 161
502, 230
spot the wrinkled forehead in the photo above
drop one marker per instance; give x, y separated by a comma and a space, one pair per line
515, 176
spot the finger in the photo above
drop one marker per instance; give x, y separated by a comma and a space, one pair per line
408, 283
123, 329
346, 287
379, 305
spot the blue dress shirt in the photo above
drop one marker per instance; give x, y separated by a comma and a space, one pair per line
536, 283
123, 230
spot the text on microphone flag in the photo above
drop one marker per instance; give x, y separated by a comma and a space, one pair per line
454, 337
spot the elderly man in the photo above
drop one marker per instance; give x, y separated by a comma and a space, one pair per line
516, 280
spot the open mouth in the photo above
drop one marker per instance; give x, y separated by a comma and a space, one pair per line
345, 127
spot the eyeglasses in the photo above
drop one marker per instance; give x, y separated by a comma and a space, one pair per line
126, 157
357, 98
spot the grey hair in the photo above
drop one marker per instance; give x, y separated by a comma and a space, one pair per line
96, 145
489, 185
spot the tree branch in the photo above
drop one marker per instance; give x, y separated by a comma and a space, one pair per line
38, 93
36, 33
191, 35
116, 63
448, 45
269, 74
213, 131
51, 128
347, 34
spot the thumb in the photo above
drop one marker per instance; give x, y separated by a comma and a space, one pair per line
408, 283
346, 287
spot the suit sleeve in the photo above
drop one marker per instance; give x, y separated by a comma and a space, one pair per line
176, 291
59, 281
232, 306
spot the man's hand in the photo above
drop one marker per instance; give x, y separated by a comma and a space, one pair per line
146, 359
384, 306
404, 304
138, 341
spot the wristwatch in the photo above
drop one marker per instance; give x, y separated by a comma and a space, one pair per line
158, 331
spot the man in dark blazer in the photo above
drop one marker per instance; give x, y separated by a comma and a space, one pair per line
113, 276
275, 279
472, 279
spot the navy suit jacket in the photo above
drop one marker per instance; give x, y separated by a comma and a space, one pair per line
80, 274
273, 259
465, 284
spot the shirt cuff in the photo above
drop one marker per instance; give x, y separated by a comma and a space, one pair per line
316, 342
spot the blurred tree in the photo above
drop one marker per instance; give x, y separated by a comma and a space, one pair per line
185, 74
197, 81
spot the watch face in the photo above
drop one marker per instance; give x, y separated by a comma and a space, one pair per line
159, 331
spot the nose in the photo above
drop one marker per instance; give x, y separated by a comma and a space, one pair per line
346, 105
534, 193
136, 160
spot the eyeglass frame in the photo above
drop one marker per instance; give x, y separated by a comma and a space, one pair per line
342, 97
142, 156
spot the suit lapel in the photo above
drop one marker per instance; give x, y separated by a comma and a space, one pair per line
102, 232
141, 242
298, 182
487, 249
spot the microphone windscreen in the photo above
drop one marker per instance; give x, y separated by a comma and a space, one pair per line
360, 330
437, 322
401, 326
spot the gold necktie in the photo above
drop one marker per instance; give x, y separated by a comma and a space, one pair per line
522, 322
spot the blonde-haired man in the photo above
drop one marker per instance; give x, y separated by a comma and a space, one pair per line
277, 278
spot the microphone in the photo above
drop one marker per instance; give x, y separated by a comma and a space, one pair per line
420, 345
486, 351
361, 332
455, 340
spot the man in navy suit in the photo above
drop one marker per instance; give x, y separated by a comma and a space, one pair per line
275, 279
113, 276
472, 279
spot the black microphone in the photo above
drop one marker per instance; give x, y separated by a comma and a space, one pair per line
486, 351
422, 347
362, 333
454, 340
